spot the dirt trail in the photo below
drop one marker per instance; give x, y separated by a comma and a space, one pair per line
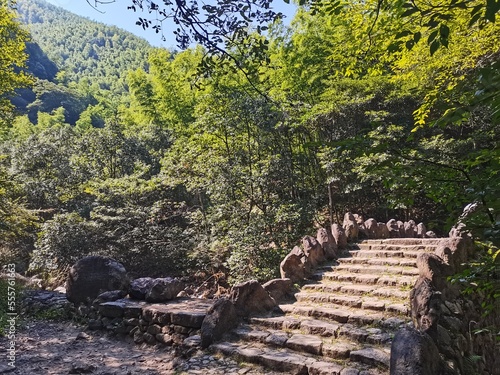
59, 348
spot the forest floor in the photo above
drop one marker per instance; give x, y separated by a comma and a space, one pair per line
59, 348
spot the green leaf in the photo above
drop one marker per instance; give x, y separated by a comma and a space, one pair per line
434, 46
432, 37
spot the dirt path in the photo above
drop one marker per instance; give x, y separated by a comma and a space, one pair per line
59, 348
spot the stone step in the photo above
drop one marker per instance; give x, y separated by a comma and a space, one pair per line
341, 314
359, 289
378, 261
366, 278
320, 328
290, 362
391, 247
405, 241
396, 306
377, 269
384, 254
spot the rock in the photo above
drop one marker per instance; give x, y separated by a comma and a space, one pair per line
306, 343
392, 226
292, 266
350, 226
164, 289
433, 268
140, 287
280, 289
370, 356
362, 233
164, 338
410, 229
430, 234
425, 302
327, 242
93, 275
421, 230
313, 251
220, 319
251, 298
110, 296
339, 236
459, 231
401, 227
82, 368
112, 309
414, 353
383, 231
371, 226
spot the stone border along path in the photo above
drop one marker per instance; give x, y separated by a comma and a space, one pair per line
343, 321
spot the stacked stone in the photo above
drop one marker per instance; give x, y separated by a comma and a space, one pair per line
46, 303
177, 323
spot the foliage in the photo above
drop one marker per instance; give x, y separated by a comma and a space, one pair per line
483, 278
12, 43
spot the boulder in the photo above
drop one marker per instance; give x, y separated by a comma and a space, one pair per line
455, 251
350, 226
401, 227
430, 234
93, 275
414, 353
280, 289
327, 242
383, 231
313, 250
110, 296
425, 302
339, 236
164, 289
434, 268
371, 226
221, 318
410, 229
251, 298
393, 227
140, 287
292, 266
421, 230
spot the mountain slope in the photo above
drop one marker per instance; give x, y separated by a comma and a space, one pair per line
82, 48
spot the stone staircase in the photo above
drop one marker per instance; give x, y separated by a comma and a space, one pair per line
344, 317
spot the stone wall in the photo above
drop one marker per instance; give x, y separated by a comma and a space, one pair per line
445, 321
175, 323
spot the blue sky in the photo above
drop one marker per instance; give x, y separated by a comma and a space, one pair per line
116, 13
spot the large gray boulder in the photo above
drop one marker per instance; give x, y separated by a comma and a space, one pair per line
392, 226
251, 298
293, 267
327, 242
350, 226
140, 287
164, 289
280, 289
339, 235
410, 228
414, 353
383, 231
371, 227
421, 230
93, 275
313, 250
221, 318
425, 302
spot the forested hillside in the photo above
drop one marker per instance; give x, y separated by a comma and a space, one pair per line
186, 163
81, 48
77, 62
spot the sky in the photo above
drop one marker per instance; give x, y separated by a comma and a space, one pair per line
116, 13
